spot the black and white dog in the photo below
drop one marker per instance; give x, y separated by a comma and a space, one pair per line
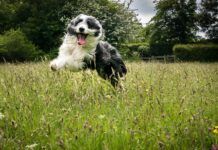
82, 48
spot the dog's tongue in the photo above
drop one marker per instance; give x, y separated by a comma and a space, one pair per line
81, 39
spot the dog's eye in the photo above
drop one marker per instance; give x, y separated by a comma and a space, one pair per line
92, 24
97, 33
78, 21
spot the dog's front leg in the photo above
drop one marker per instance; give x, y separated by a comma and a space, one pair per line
58, 63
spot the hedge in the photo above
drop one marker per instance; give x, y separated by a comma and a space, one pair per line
14, 46
134, 50
196, 52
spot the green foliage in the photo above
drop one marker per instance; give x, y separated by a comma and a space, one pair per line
15, 46
136, 50
6, 15
44, 21
200, 52
161, 106
120, 24
38, 20
147, 32
173, 23
43, 24
208, 18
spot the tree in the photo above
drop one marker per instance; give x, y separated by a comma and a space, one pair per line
38, 20
120, 24
44, 21
14, 46
174, 22
7, 12
43, 25
208, 18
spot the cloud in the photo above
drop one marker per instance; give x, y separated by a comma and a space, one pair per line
144, 19
143, 6
144, 9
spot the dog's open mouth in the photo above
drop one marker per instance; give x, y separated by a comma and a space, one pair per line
81, 38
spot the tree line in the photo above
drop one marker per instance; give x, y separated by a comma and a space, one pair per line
37, 26
178, 21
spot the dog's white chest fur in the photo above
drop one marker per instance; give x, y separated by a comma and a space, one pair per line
71, 55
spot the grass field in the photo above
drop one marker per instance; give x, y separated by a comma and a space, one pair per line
161, 106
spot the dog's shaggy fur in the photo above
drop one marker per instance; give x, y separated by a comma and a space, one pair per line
82, 48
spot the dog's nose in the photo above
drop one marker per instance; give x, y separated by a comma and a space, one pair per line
81, 29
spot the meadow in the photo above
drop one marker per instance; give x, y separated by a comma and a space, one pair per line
161, 106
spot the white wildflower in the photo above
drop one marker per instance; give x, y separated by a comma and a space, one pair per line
32, 146
1, 116
101, 116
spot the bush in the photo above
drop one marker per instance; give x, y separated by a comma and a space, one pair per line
134, 50
200, 52
14, 46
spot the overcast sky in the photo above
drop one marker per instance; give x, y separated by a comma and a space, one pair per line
144, 9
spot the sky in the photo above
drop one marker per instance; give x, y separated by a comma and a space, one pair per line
144, 9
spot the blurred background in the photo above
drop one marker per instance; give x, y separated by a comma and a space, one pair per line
140, 29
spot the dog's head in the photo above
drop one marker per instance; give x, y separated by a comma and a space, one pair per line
86, 29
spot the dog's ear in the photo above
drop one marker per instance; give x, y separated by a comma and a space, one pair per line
70, 30
70, 25
109, 63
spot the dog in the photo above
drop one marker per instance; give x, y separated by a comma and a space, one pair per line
83, 48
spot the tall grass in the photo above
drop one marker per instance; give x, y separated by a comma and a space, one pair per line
161, 106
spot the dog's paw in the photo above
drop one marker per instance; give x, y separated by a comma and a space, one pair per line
53, 66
